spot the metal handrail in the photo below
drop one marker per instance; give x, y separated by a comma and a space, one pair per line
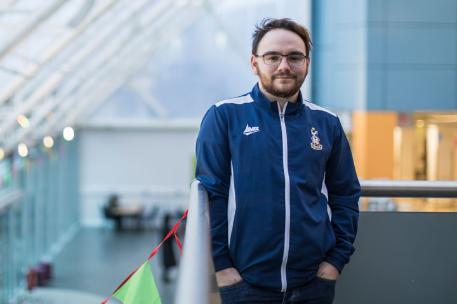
408, 188
193, 287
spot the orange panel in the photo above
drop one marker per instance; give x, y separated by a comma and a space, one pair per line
373, 143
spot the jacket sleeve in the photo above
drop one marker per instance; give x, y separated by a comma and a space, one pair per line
343, 197
213, 171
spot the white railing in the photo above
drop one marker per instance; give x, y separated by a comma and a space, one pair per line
196, 281
406, 188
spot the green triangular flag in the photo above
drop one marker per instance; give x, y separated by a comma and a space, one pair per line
140, 288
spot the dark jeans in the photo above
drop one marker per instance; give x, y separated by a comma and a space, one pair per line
318, 291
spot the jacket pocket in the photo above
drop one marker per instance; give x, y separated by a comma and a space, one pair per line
232, 286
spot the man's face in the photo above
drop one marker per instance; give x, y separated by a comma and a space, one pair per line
284, 79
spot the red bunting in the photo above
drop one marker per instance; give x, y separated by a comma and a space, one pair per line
154, 251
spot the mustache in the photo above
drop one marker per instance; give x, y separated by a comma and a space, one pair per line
285, 75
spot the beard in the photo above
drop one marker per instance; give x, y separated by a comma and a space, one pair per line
274, 86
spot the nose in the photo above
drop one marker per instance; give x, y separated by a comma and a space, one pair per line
284, 64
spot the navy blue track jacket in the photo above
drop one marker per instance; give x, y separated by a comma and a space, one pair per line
283, 191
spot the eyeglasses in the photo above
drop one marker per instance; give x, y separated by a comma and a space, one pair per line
293, 59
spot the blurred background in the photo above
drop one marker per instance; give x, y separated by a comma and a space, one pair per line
100, 105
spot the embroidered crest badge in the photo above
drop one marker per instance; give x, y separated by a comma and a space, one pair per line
315, 141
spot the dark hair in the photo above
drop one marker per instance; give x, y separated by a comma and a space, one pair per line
269, 24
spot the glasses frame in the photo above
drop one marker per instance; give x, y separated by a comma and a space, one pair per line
282, 57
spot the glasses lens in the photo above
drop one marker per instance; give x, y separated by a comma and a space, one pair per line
296, 59
272, 59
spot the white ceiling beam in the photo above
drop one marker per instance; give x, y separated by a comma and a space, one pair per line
93, 102
64, 114
107, 58
142, 87
97, 98
46, 88
131, 47
182, 21
54, 50
30, 27
158, 124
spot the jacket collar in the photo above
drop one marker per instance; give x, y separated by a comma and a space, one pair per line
261, 100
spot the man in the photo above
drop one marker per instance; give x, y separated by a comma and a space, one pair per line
283, 191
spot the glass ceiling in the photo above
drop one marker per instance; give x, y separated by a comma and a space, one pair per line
71, 62
59, 57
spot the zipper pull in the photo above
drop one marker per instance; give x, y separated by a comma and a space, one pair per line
282, 111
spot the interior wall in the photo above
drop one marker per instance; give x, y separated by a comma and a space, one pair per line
402, 257
340, 54
142, 166
394, 55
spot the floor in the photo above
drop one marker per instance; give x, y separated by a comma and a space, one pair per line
97, 260
49, 295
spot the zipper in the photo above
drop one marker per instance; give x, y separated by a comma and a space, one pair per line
285, 163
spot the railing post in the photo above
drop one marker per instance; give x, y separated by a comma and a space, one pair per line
196, 272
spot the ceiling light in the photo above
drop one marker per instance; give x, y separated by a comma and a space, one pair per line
22, 150
48, 142
68, 133
23, 121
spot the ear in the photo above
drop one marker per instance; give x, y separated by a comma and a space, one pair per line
308, 62
254, 64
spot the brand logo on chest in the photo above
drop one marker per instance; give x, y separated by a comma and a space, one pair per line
315, 140
250, 130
